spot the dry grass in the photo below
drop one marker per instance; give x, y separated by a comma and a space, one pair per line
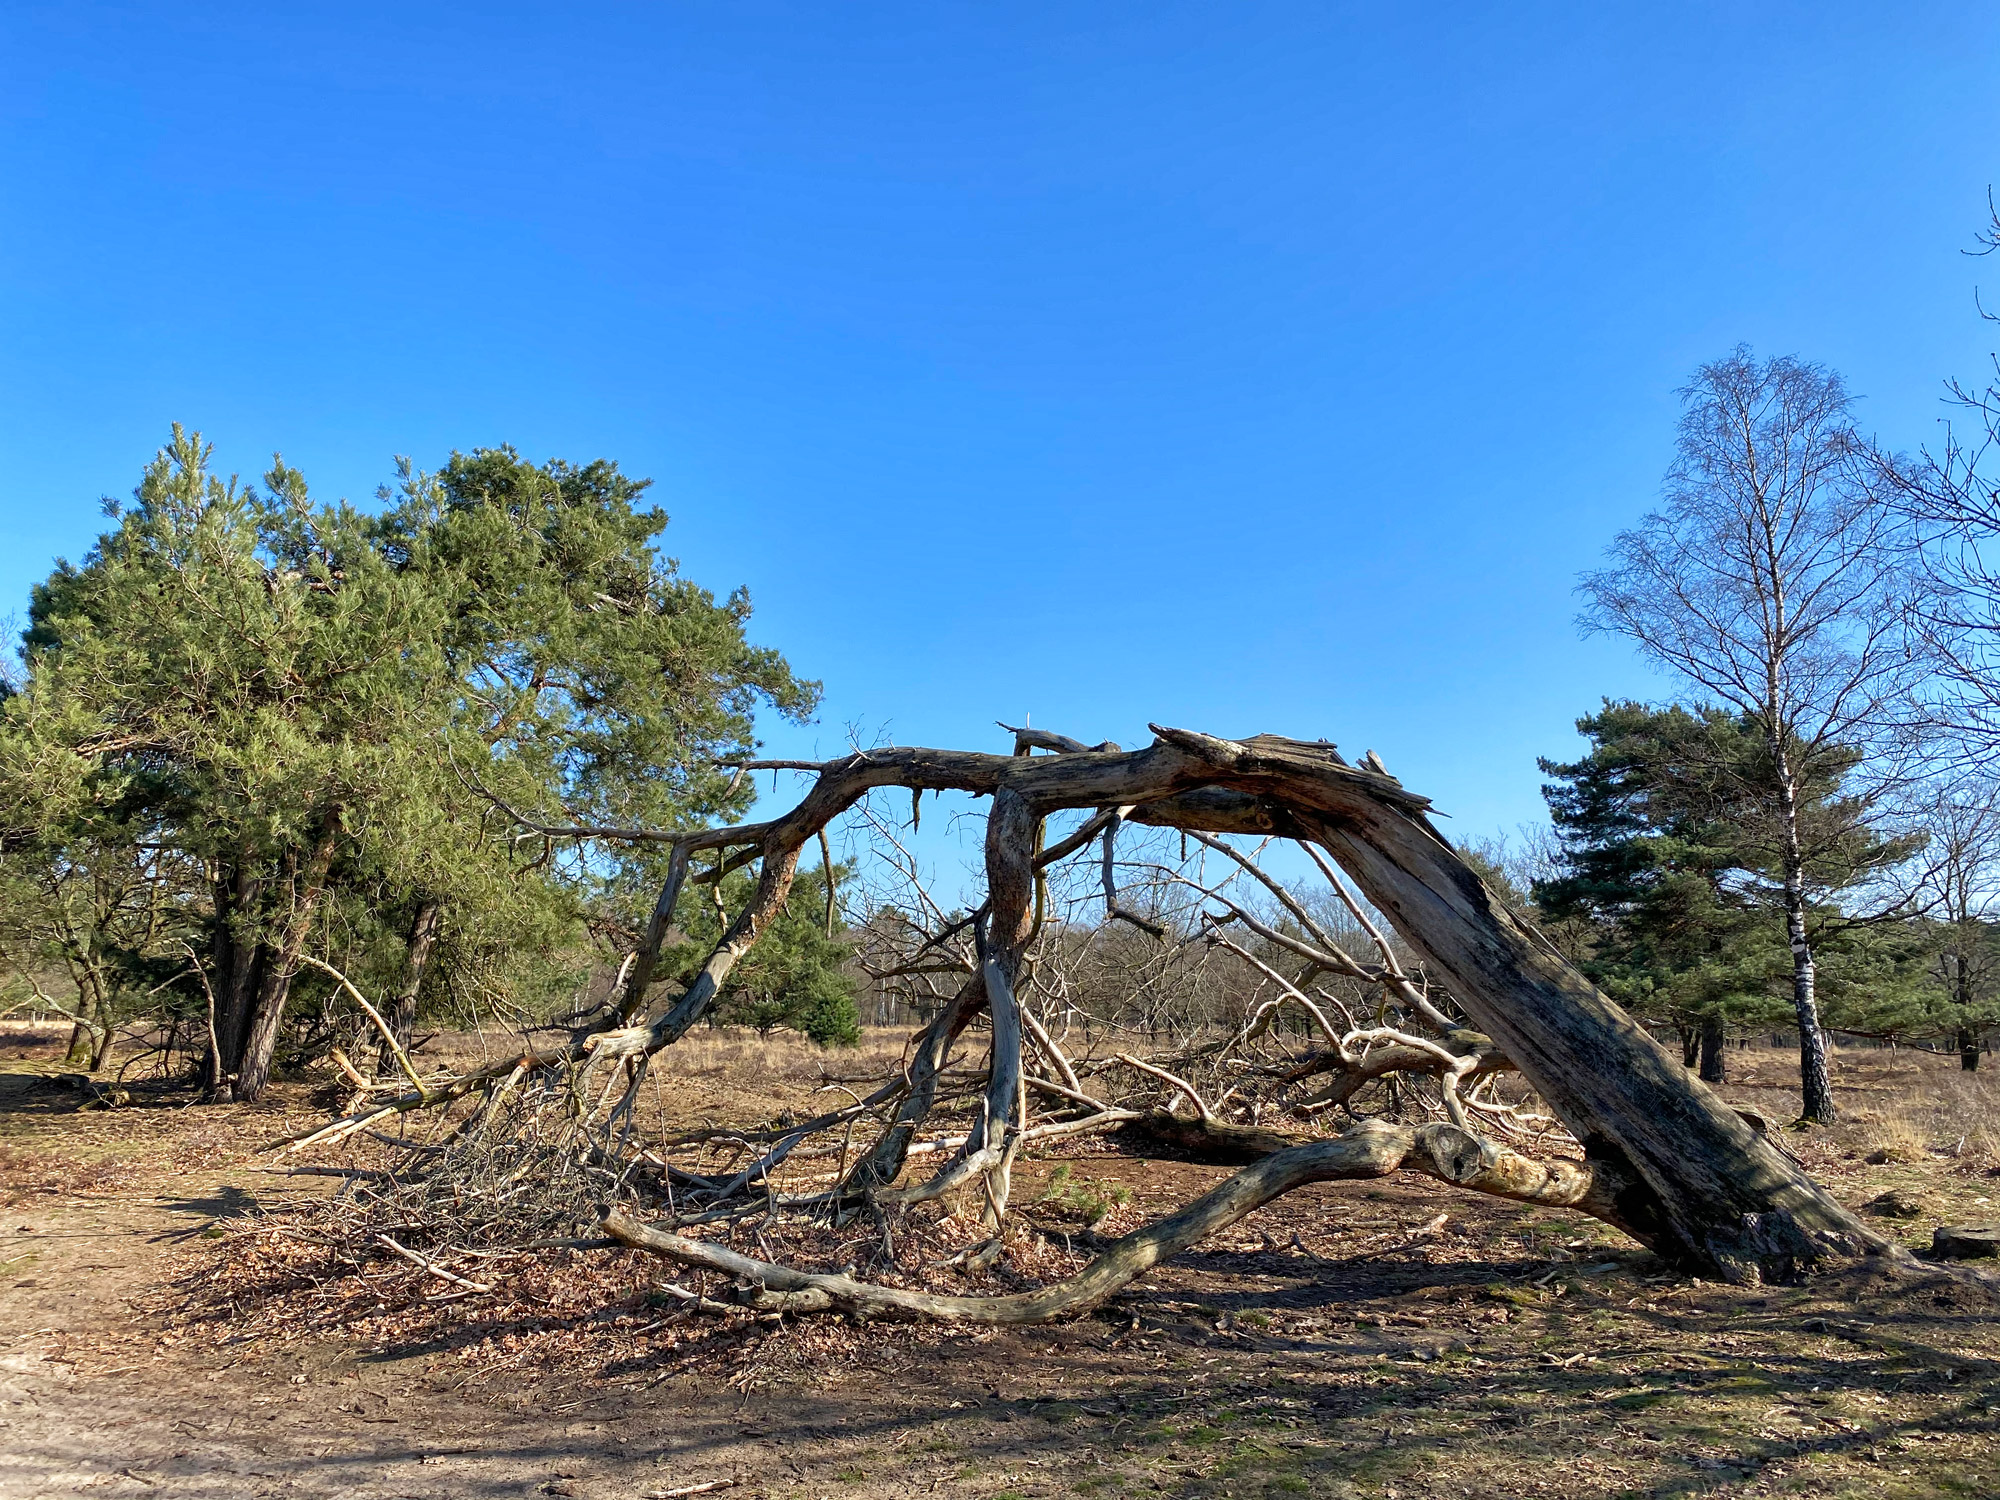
713, 1051
1911, 1108
1958, 1115
709, 1052
1896, 1134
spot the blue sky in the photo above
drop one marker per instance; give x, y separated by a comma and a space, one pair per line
1251, 367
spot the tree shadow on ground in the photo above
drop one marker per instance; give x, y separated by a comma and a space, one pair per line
1358, 1377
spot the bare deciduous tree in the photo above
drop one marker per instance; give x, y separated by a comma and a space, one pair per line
1964, 881
1951, 496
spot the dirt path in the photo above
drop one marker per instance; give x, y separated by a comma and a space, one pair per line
93, 1401
1332, 1346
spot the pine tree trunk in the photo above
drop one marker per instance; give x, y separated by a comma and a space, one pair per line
83, 1031
280, 965
239, 951
91, 1037
401, 1013
253, 1073
107, 1033
1968, 1039
1713, 1043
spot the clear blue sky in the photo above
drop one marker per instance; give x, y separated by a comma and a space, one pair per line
1247, 367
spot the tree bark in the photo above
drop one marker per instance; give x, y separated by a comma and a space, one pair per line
83, 1031
1815, 1078
1815, 1082
401, 1011
1206, 1140
884, 1162
632, 1004
281, 965
1011, 832
774, 883
1694, 1180
239, 951
1961, 984
1713, 1045
1714, 1193
1706, 1189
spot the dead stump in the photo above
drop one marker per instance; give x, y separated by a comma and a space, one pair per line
1952, 1243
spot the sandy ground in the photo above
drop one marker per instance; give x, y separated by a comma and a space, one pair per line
1330, 1346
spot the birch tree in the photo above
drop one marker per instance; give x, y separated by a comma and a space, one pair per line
1770, 583
1951, 497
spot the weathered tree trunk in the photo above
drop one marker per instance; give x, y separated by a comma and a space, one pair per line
1668, 1159
884, 1162
1011, 830
632, 1003
1371, 1149
1703, 1186
774, 883
401, 1011
281, 965
1713, 1043
1207, 1140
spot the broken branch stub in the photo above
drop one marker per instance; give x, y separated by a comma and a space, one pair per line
1010, 885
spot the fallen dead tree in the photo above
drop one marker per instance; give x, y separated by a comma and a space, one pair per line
1661, 1157
1371, 1149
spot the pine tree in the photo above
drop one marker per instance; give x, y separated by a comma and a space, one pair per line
1671, 857
1774, 582
300, 700
797, 977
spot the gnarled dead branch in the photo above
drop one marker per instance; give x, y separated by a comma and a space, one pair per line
1670, 1163
1372, 1149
